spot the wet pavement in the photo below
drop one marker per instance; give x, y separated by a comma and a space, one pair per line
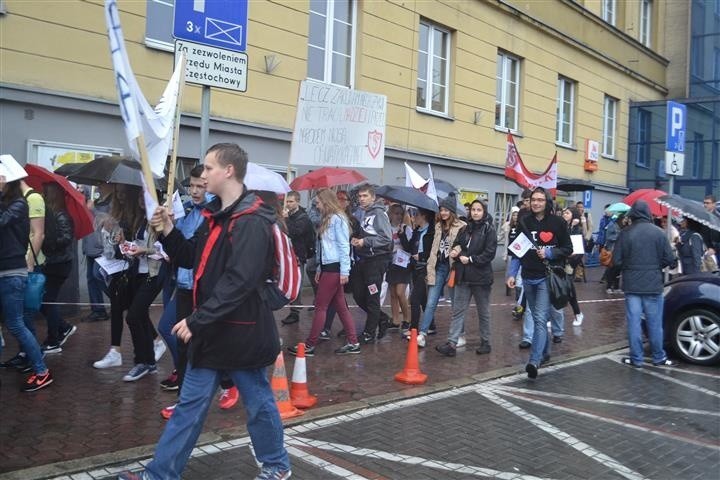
90, 418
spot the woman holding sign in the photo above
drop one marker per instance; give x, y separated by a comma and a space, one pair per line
574, 226
473, 252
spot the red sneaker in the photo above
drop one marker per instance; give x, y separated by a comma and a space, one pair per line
167, 412
36, 382
228, 397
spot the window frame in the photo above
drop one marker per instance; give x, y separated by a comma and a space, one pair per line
645, 28
698, 154
609, 11
151, 20
644, 135
506, 59
328, 48
428, 108
563, 82
608, 100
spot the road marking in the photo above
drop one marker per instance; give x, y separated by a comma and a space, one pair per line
411, 460
607, 401
564, 437
648, 371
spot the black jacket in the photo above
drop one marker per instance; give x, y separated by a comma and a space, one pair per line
641, 252
58, 241
233, 327
479, 242
551, 231
412, 245
14, 234
302, 234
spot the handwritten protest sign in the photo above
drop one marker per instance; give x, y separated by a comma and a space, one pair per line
337, 126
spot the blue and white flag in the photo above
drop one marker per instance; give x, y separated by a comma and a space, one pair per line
155, 124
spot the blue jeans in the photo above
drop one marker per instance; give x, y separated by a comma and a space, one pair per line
197, 393
442, 271
538, 300
165, 326
557, 322
652, 306
95, 285
12, 303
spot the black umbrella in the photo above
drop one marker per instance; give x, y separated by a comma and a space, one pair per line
690, 209
407, 196
445, 189
575, 185
113, 169
67, 169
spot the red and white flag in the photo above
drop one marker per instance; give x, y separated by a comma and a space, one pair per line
515, 170
418, 182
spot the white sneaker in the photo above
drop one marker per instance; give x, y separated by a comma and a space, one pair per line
421, 340
159, 348
578, 320
113, 358
461, 341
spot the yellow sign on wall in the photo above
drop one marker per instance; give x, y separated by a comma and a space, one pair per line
467, 196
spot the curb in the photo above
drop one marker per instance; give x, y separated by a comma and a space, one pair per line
134, 454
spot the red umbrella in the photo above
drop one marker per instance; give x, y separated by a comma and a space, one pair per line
649, 195
326, 177
74, 200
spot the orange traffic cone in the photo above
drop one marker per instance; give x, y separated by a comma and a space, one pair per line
411, 374
279, 385
299, 394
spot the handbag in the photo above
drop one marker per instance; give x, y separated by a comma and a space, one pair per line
559, 285
605, 257
35, 288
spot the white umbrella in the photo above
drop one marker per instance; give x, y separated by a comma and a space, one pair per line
261, 178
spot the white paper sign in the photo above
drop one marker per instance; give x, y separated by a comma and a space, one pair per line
177, 206
338, 127
520, 246
577, 243
111, 266
401, 258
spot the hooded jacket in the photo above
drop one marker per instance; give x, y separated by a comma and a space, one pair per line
14, 234
479, 242
376, 232
302, 234
233, 327
641, 252
551, 231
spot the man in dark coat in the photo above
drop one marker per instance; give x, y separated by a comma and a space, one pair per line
302, 234
641, 252
232, 329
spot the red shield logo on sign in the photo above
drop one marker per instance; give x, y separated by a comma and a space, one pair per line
374, 143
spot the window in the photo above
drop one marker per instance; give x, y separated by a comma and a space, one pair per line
716, 67
609, 123
698, 155
643, 139
565, 111
608, 11
331, 42
645, 22
433, 68
159, 24
508, 91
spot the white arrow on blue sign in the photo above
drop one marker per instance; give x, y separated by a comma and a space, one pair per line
218, 23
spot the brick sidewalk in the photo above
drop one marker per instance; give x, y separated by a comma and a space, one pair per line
89, 412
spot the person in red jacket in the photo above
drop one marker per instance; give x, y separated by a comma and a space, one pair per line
231, 329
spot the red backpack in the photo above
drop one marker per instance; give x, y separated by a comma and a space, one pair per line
284, 284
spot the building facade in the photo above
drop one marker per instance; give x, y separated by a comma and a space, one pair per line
694, 80
458, 75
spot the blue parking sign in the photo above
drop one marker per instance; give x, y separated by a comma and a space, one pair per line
218, 23
587, 199
676, 124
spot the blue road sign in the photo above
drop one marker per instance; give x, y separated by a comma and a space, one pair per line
675, 131
587, 199
218, 23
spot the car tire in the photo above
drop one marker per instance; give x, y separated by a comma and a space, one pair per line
695, 336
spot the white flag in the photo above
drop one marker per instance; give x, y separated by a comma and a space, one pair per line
413, 179
156, 124
431, 192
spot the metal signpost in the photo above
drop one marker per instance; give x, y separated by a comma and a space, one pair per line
674, 149
213, 33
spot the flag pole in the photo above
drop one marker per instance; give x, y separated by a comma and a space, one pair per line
145, 163
176, 134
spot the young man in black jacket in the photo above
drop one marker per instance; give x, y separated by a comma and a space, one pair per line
302, 234
232, 329
550, 243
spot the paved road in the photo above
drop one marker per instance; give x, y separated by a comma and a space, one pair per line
588, 419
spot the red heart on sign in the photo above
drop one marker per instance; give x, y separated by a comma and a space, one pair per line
546, 237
